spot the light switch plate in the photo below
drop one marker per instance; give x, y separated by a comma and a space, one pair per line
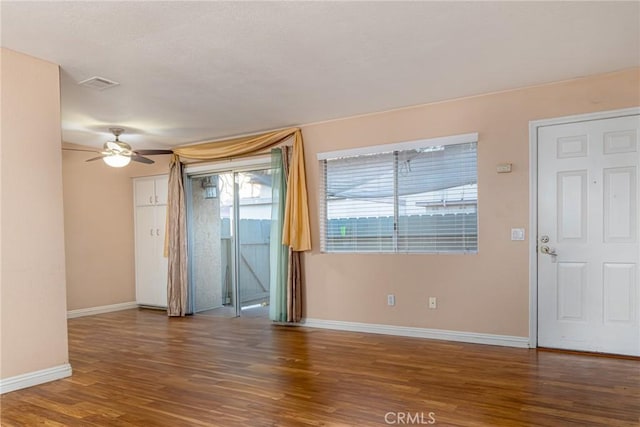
517, 234
503, 168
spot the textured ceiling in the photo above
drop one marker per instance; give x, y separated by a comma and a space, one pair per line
194, 71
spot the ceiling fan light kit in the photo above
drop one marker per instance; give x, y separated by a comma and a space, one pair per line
117, 160
117, 153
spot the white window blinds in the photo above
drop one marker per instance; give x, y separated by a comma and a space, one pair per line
420, 199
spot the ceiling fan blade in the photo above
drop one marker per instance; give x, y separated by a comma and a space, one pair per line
96, 158
80, 149
141, 159
152, 152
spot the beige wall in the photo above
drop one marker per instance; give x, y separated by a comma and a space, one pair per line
99, 233
34, 325
487, 292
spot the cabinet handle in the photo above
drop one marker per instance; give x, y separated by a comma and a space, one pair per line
150, 199
157, 232
151, 232
156, 199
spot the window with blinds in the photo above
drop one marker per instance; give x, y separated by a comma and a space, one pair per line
416, 197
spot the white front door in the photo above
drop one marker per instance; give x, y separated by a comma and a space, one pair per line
588, 252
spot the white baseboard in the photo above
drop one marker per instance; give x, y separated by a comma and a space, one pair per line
34, 378
101, 309
408, 331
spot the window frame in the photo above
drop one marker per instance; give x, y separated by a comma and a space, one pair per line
394, 148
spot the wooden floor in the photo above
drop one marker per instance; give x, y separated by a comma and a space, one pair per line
139, 368
228, 312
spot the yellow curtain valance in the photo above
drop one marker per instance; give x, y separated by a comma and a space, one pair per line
236, 147
296, 230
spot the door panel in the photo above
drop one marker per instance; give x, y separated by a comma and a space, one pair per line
162, 268
620, 216
619, 292
145, 192
588, 213
625, 141
145, 255
572, 205
161, 190
210, 244
571, 290
254, 230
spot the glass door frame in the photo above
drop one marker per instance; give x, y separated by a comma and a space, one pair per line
218, 168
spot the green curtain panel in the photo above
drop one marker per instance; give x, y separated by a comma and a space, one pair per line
279, 253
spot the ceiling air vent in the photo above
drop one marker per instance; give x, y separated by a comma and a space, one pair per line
98, 83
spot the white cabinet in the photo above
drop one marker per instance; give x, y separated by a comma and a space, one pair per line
150, 196
151, 191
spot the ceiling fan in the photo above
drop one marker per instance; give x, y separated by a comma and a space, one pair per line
118, 154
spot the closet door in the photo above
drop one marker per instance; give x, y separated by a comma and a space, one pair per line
161, 188
161, 269
145, 193
146, 264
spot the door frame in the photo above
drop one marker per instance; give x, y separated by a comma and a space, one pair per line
217, 167
533, 200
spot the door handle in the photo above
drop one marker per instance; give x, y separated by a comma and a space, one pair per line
547, 250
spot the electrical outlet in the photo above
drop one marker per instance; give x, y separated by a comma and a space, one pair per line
391, 299
433, 302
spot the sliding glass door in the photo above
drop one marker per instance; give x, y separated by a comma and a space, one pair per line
253, 235
229, 223
210, 205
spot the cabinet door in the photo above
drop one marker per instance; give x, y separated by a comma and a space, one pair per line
162, 190
161, 262
146, 263
144, 192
